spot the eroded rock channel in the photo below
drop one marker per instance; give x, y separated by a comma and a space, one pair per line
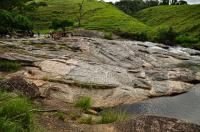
112, 72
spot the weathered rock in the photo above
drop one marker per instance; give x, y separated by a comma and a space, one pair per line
20, 85
143, 124
155, 124
112, 72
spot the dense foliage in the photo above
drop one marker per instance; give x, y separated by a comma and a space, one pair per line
13, 4
56, 24
12, 22
132, 6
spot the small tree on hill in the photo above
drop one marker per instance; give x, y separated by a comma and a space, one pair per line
82, 12
61, 24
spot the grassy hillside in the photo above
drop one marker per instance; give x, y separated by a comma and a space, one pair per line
105, 17
184, 18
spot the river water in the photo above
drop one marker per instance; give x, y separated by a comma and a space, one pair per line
185, 106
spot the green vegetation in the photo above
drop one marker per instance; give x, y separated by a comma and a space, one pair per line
13, 22
60, 115
56, 24
84, 103
184, 19
15, 115
2, 78
110, 116
108, 35
85, 120
167, 36
9, 66
111, 20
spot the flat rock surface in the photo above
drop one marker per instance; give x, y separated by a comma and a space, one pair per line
112, 72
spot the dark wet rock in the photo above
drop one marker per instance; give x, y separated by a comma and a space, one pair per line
20, 85
155, 124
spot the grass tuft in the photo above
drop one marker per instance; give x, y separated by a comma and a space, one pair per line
15, 115
110, 116
84, 103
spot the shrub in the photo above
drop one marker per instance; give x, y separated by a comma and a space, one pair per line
9, 65
167, 36
11, 22
110, 116
84, 103
184, 39
57, 24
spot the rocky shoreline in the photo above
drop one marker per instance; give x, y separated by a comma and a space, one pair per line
111, 72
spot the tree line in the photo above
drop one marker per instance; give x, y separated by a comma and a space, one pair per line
132, 6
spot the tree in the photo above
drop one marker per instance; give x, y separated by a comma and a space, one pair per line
12, 4
151, 3
131, 6
182, 2
57, 24
167, 36
174, 2
82, 12
11, 22
164, 2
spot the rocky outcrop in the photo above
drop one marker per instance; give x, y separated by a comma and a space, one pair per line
20, 85
139, 124
112, 72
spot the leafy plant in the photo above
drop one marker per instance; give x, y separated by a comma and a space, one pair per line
84, 103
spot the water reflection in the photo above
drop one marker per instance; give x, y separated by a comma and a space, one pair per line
185, 106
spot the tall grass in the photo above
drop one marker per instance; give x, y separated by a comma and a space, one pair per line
84, 103
110, 116
15, 115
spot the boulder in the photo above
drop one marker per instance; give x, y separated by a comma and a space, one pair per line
20, 85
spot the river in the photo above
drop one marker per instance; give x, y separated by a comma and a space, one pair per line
185, 106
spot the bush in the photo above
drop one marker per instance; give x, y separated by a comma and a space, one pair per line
84, 103
110, 116
57, 24
11, 22
9, 66
184, 39
167, 36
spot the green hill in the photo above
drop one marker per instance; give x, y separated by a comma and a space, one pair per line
184, 18
103, 17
